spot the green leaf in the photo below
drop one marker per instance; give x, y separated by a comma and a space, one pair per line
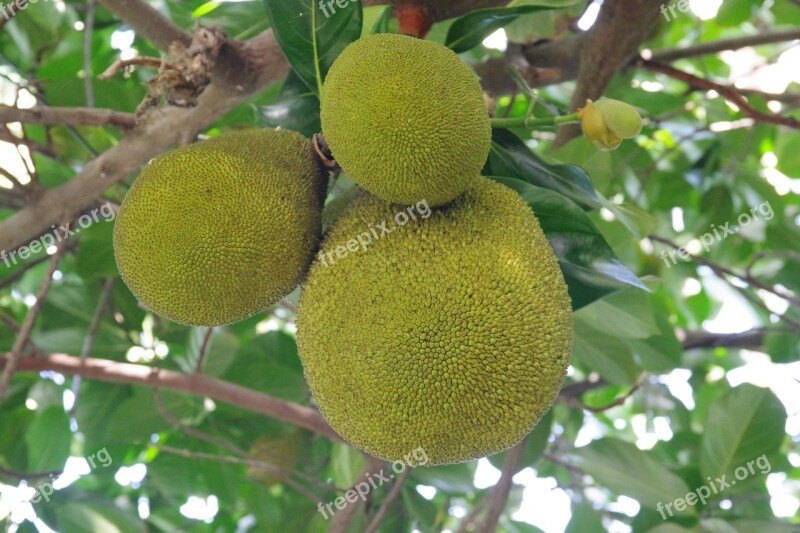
471, 29
590, 267
745, 424
535, 445
48, 439
509, 156
627, 314
625, 469
309, 39
452, 479
609, 356
297, 108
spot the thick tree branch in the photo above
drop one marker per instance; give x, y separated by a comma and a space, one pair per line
147, 22
620, 28
244, 69
114, 372
67, 115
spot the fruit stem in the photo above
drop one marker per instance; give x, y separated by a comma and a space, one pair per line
532, 123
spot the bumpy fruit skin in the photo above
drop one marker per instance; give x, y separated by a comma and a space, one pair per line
451, 333
406, 119
212, 233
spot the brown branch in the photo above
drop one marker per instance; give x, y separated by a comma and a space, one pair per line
753, 338
147, 22
115, 372
198, 369
91, 333
29, 475
272, 469
503, 487
572, 401
380, 516
723, 271
343, 517
609, 45
122, 64
729, 93
736, 43
243, 69
86, 116
12, 361
177, 424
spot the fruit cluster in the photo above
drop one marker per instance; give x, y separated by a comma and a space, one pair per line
451, 334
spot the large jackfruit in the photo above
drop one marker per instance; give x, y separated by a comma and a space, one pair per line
406, 119
212, 233
450, 333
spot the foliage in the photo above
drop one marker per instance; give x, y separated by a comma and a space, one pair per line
659, 400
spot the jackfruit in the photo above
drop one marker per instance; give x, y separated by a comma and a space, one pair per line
406, 119
212, 233
450, 333
607, 122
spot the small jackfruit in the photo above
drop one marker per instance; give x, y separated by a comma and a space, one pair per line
279, 455
406, 119
212, 233
450, 333
607, 122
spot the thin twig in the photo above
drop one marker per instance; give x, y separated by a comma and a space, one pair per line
272, 469
88, 30
726, 44
722, 271
198, 369
12, 362
177, 424
573, 402
343, 517
380, 516
29, 475
91, 333
503, 487
122, 64
729, 93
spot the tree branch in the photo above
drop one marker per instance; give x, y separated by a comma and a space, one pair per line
729, 93
714, 47
147, 22
86, 116
608, 46
13, 360
344, 516
503, 487
380, 516
114, 372
244, 69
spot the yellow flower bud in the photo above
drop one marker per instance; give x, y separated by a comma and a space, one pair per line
606, 122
